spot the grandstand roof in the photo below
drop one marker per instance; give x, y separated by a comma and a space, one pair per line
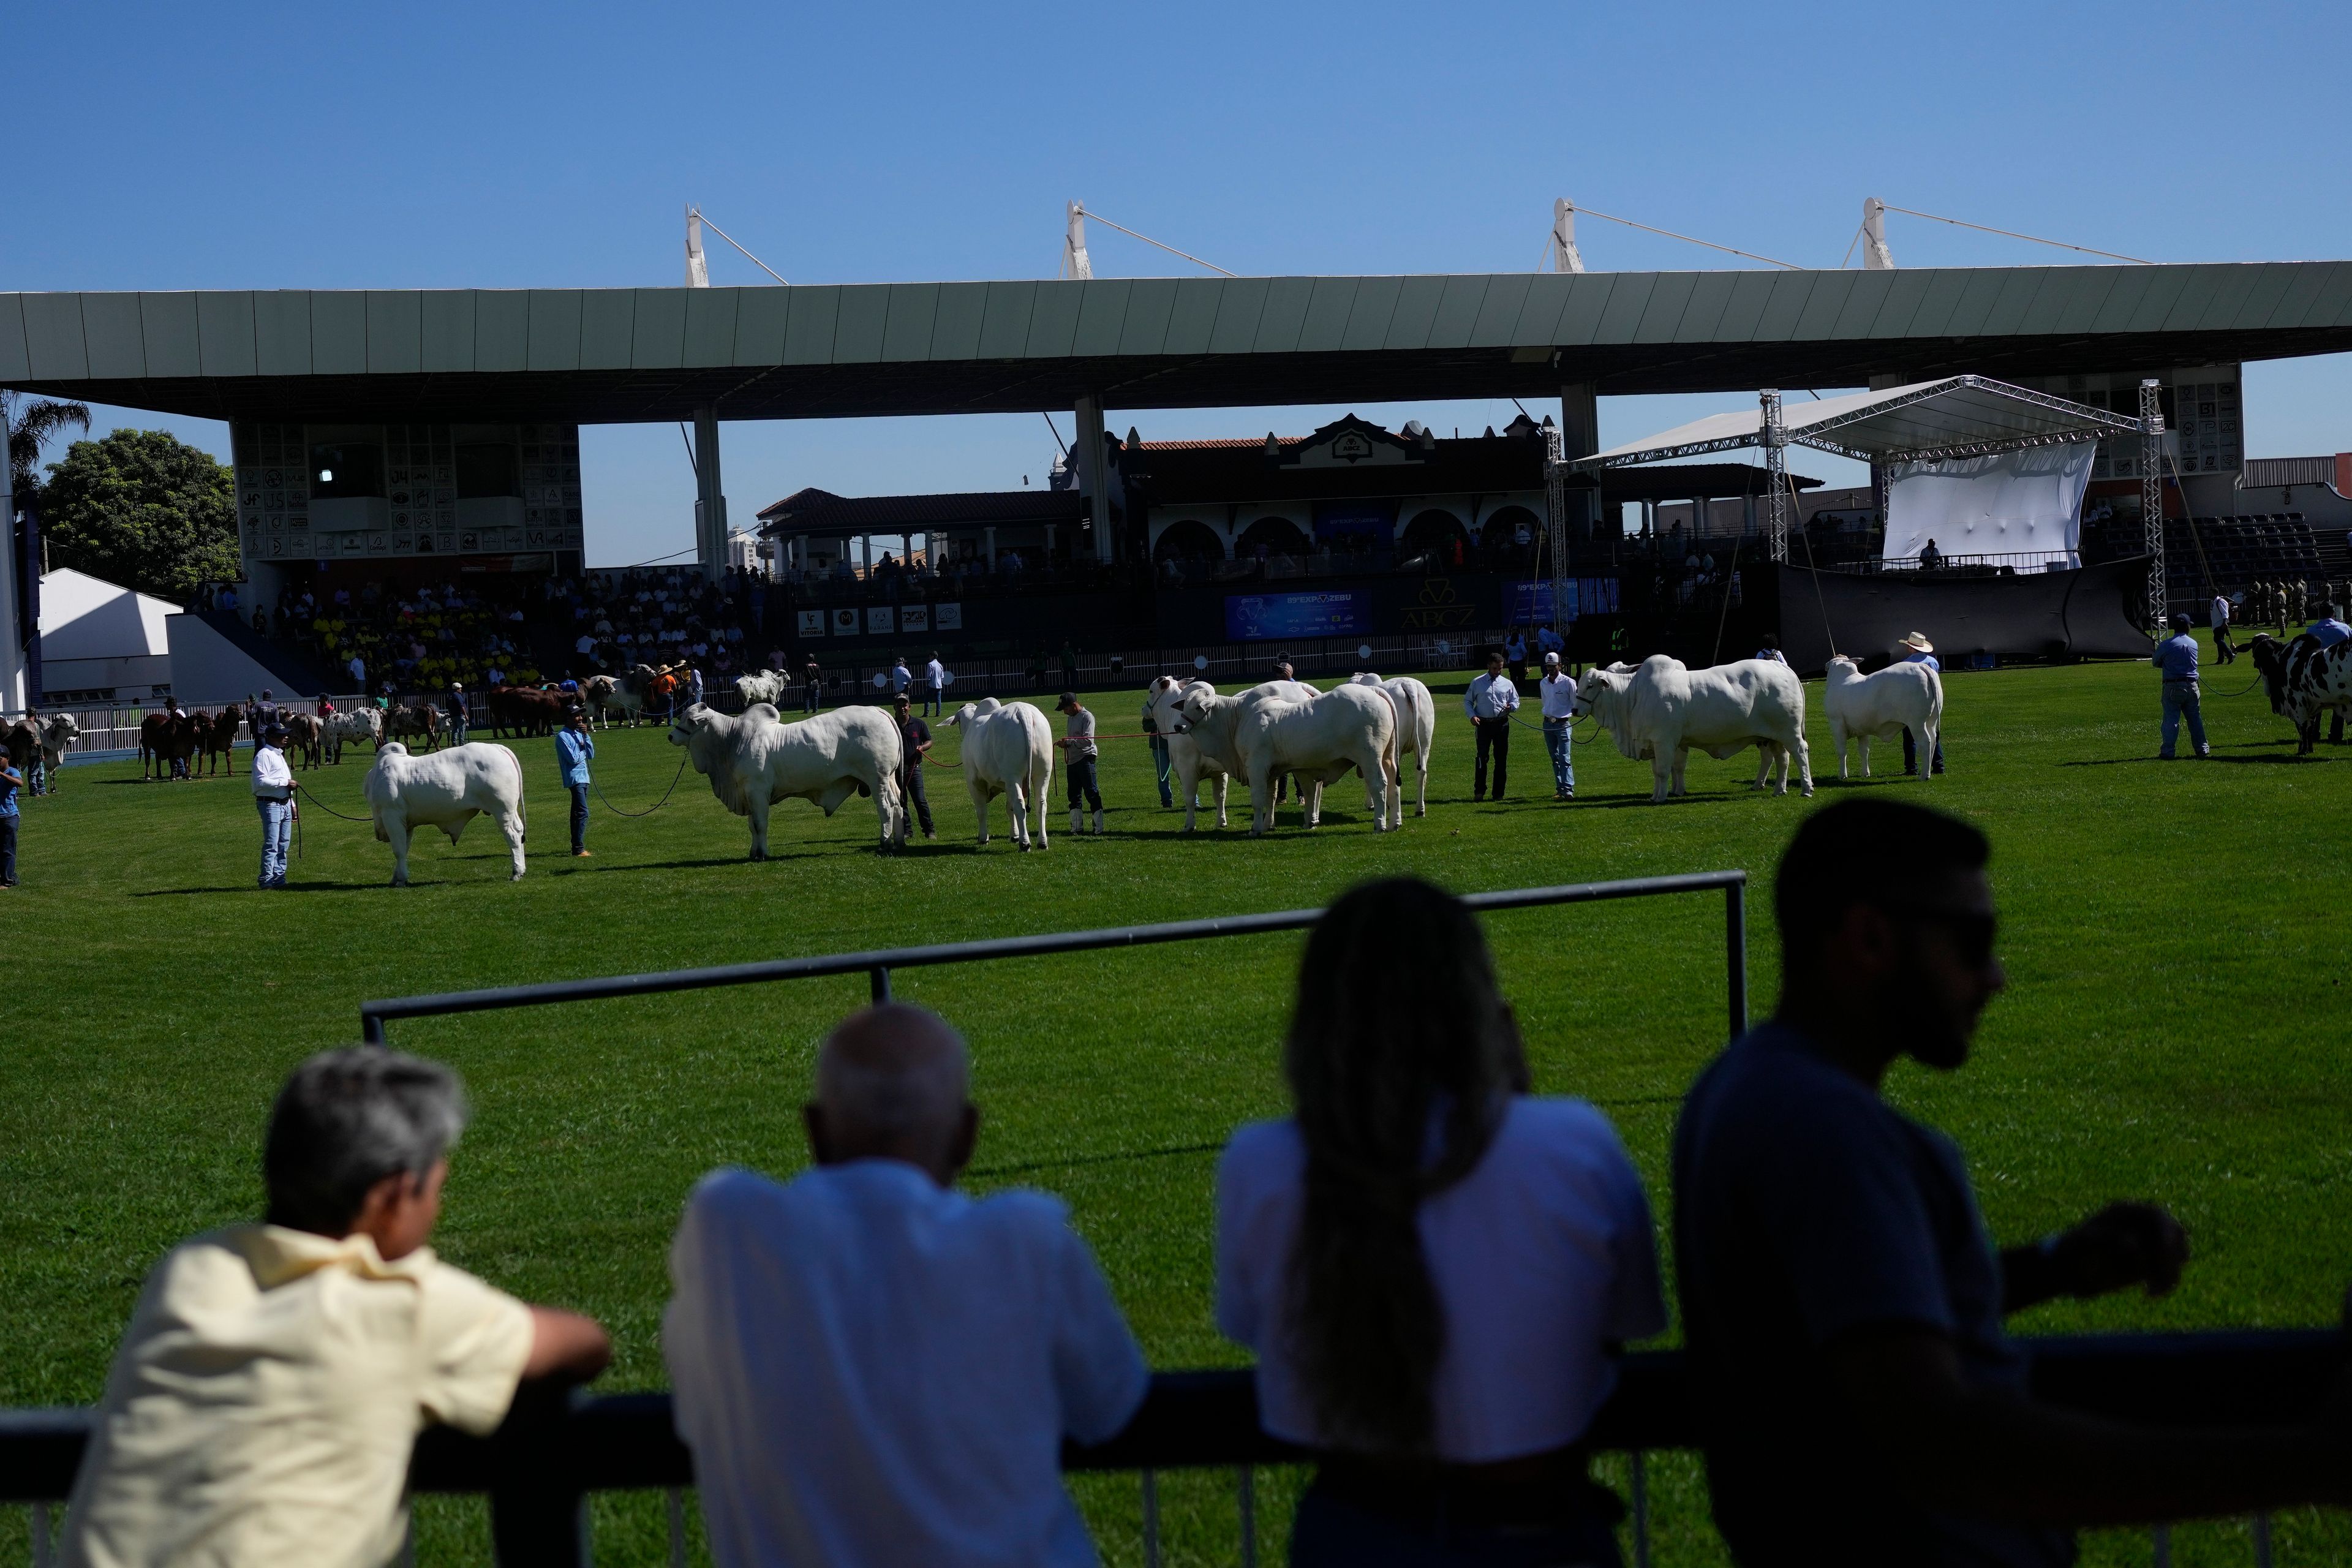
813, 511
597, 356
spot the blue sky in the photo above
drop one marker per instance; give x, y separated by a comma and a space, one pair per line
505, 146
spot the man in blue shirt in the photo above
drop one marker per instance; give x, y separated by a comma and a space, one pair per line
1859, 1401
2330, 629
1920, 652
1490, 703
573, 752
11, 783
2177, 656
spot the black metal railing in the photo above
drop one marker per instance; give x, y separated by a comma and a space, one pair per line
556, 1447
877, 966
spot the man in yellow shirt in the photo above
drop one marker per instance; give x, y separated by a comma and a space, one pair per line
274, 1376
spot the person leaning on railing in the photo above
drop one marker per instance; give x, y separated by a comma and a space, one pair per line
1859, 1401
261, 1408
1434, 1267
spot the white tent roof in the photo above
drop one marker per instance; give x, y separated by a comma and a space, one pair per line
1962, 417
84, 617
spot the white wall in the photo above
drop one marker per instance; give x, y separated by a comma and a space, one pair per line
206, 668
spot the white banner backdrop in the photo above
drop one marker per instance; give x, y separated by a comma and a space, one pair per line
2026, 507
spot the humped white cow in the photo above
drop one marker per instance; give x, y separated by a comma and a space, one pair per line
1416, 729
446, 790
55, 734
1665, 709
364, 722
1008, 749
1199, 725
1867, 708
768, 686
1315, 741
754, 760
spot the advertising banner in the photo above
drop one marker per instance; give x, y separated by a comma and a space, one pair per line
948, 617
812, 623
915, 618
1530, 602
1367, 519
1262, 617
880, 620
845, 622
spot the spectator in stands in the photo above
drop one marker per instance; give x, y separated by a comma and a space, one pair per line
1515, 653
1930, 557
1434, 1267
1549, 640
2220, 611
358, 667
262, 1406
1490, 703
1860, 1403
2329, 629
871, 1368
1919, 650
2176, 656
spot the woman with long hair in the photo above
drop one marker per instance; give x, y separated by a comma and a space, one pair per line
1434, 1267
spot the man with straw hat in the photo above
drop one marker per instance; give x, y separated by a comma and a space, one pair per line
1922, 651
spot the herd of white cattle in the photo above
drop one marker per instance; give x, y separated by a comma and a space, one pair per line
1659, 710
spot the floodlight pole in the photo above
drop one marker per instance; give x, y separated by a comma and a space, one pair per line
698, 267
1556, 520
1776, 467
2151, 498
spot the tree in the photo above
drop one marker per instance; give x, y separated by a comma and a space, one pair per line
31, 422
145, 510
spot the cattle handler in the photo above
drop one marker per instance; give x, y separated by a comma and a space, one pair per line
2177, 656
273, 796
573, 752
914, 740
1078, 751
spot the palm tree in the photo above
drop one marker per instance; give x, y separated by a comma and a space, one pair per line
31, 422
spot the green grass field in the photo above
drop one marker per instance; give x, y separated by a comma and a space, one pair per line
2173, 1030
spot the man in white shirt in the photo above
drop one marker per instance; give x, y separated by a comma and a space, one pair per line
900, 676
2222, 652
1558, 689
936, 674
872, 1368
273, 795
1490, 703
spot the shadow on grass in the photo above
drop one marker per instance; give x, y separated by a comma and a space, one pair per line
249, 888
2269, 759
1028, 1167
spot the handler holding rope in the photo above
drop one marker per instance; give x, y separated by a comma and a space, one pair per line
574, 750
273, 796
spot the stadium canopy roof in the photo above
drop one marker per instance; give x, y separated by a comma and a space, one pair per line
1960, 416
598, 355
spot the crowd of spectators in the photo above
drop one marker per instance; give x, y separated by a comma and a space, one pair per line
1435, 1267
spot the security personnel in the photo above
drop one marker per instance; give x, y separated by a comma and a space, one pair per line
2176, 656
273, 796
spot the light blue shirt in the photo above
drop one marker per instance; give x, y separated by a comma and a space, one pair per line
2177, 656
572, 754
2329, 632
7, 790
1927, 658
1490, 697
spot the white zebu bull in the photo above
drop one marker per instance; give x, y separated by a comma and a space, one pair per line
1867, 708
1315, 741
446, 790
768, 686
625, 694
1665, 709
364, 722
1008, 749
54, 735
754, 760
2304, 681
1416, 729
1201, 737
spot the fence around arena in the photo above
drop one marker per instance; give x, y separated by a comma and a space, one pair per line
558, 1446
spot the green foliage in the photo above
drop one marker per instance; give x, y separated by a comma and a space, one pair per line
143, 509
31, 421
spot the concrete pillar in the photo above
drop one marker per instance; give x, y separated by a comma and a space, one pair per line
1049, 543
710, 495
12, 635
1094, 475
1579, 437
989, 535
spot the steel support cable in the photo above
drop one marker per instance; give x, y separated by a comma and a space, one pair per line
738, 244
1085, 211
1686, 238
2012, 234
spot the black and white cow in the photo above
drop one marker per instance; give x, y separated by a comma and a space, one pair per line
2304, 680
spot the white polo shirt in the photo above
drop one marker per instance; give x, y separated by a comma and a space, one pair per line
874, 1370
1541, 1255
1559, 694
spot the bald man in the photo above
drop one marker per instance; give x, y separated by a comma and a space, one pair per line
872, 1368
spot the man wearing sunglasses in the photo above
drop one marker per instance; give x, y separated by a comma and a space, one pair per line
1859, 1401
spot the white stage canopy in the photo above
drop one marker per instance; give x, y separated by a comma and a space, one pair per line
1961, 417
2023, 508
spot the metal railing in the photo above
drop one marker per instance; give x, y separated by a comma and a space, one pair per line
556, 1446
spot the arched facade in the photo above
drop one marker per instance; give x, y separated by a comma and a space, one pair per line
1276, 535
1187, 539
1435, 530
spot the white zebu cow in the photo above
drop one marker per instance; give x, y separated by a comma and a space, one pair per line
1315, 741
625, 694
1008, 749
1201, 737
364, 722
1867, 708
55, 736
768, 686
754, 760
446, 790
1665, 709
1416, 729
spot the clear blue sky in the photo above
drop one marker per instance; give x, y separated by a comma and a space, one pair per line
503, 146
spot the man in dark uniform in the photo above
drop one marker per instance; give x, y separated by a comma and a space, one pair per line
914, 740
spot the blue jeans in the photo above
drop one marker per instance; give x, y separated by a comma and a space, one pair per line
2179, 703
1159, 767
8, 851
579, 817
277, 830
1558, 737
1329, 1533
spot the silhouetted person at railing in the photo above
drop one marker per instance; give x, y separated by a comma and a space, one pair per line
873, 1368
263, 1403
1860, 1403
1930, 558
1434, 1267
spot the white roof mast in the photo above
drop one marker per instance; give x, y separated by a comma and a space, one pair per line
697, 270
1563, 256
1875, 256
1076, 262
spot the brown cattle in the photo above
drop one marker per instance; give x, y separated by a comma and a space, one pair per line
421, 717
166, 740
525, 710
215, 734
302, 732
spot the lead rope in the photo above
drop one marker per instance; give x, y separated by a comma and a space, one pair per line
683, 759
